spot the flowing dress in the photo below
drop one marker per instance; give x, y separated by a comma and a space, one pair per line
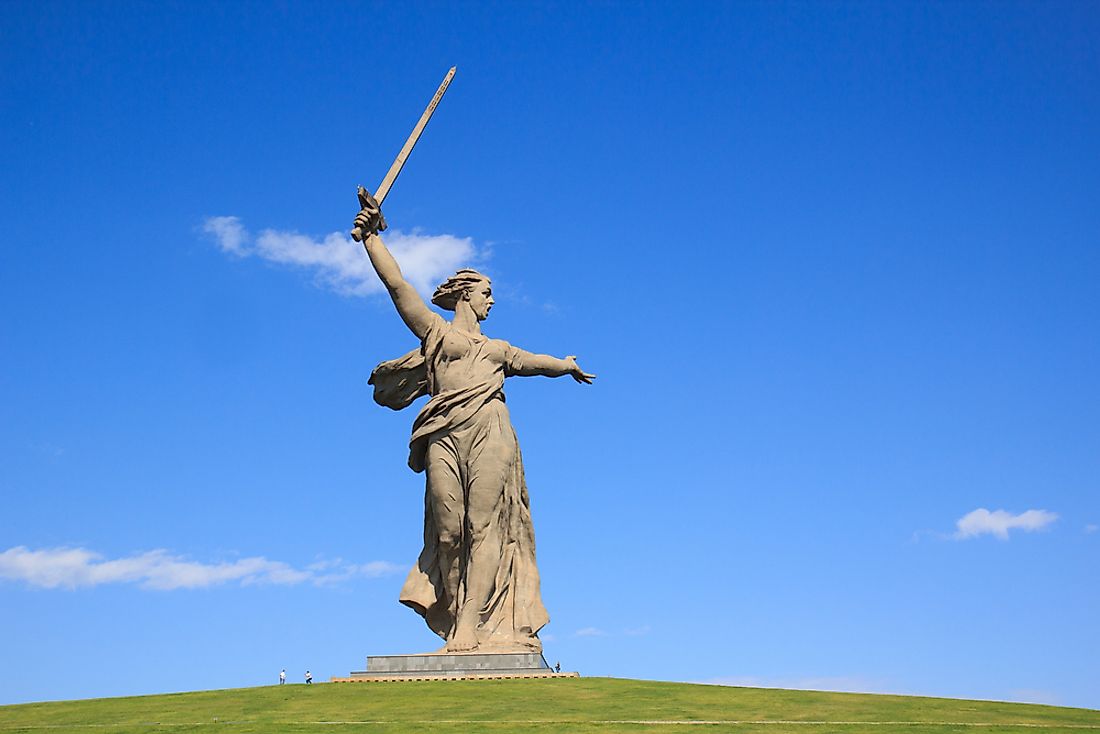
463, 438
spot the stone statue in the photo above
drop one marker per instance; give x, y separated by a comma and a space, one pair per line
476, 583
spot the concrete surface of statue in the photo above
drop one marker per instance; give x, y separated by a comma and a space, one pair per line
476, 583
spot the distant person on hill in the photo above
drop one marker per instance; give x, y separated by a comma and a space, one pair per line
309, 678
282, 676
557, 667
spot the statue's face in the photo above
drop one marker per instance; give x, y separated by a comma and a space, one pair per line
480, 297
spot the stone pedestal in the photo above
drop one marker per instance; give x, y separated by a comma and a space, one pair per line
454, 666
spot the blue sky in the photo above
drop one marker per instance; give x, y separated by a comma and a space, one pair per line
835, 265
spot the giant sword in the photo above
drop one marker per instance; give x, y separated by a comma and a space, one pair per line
357, 234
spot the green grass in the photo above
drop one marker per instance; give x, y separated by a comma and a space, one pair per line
604, 705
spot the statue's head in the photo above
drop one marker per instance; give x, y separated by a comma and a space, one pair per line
469, 286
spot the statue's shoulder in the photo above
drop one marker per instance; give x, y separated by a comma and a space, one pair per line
437, 328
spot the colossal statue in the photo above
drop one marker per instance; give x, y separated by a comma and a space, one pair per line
476, 583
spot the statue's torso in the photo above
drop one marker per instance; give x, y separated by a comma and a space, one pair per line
465, 359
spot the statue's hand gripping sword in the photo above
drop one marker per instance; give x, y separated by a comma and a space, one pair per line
373, 204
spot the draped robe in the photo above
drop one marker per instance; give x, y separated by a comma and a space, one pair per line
469, 425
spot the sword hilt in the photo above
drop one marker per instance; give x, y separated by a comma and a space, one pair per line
376, 223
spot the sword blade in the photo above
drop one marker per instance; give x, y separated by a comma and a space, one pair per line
399, 162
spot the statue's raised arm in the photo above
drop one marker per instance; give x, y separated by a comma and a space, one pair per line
414, 312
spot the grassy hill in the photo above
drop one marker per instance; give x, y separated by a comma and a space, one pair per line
583, 705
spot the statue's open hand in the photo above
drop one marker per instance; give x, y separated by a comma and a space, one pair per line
369, 220
577, 373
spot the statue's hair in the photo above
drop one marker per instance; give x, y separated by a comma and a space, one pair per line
448, 294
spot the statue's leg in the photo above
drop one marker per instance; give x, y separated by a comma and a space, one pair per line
448, 508
487, 472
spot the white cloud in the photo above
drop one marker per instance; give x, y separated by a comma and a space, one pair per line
48, 449
589, 632
74, 568
377, 569
334, 570
599, 632
983, 522
339, 263
227, 232
1091, 528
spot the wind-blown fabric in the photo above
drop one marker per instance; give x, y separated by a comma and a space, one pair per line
467, 429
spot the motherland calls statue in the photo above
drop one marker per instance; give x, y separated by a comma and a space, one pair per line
476, 583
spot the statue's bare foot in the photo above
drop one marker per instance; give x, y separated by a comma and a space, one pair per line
462, 642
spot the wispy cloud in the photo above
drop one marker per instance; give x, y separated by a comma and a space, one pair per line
1091, 528
600, 632
48, 449
339, 263
999, 522
589, 632
228, 233
72, 568
334, 570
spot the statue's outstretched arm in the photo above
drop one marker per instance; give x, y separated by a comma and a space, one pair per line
527, 364
414, 312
